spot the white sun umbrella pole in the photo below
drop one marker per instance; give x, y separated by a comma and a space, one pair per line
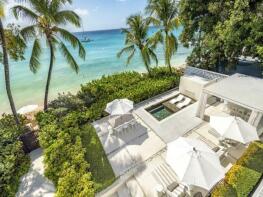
27, 109
119, 107
194, 163
234, 128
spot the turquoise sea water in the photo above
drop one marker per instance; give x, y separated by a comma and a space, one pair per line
28, 88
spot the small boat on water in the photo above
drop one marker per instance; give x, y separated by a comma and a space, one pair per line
86, 39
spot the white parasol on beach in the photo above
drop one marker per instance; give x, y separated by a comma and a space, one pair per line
27, 109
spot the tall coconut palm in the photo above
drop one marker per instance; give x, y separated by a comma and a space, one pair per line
137, 39
5, 61
163, 13
46, 17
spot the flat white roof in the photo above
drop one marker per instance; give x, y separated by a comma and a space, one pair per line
240, 89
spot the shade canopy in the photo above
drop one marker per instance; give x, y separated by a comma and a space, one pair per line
234, 128
27, 109
194, 163
119, 107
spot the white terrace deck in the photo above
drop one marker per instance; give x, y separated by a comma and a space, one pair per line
173, 126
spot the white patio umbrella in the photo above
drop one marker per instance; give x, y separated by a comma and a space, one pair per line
234, 128
27, 109
119, 107
194, 163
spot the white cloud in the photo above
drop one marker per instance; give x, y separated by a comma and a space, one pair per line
81, 12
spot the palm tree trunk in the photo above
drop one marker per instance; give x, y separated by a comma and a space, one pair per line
7, 74
49, 75
167, 58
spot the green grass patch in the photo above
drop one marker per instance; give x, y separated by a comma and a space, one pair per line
101, 170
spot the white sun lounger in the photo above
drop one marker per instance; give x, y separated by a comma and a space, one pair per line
177, 99
186, 102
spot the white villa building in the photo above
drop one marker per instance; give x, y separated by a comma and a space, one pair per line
136, 145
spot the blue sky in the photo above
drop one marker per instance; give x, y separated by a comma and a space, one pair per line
99, 14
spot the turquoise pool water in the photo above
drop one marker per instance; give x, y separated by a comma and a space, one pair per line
160, 112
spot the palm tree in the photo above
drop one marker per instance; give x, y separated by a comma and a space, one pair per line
46, 17
4, 57
163, 13
137, 39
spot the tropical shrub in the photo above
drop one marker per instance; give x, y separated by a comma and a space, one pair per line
66, 102
64, 158
223, 189
13, 161
244, 176
253, 157
75, 183
242, 179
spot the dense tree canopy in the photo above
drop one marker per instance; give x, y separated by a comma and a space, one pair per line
222, 31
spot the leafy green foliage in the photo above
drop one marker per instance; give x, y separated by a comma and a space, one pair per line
221, 31
136, 38
164, 14
242, 178
223, 189
13, 161
14, 43
253, 157
64, 157
131, 85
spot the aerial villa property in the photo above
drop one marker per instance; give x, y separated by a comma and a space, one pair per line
184, 141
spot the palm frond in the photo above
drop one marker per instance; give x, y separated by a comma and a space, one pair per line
127, 49
28, 32
67, 16
70, 59
2, 11
34, 63
153, 56
154, 40
1, 57
130, 56
73, 40
24, 12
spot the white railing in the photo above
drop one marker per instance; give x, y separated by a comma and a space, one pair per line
210, 75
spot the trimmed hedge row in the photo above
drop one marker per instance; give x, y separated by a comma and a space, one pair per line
13, 161
242, 178
65, 159
66, 129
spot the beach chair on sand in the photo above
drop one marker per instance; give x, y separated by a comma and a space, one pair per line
177, 99
186, 102
167, 178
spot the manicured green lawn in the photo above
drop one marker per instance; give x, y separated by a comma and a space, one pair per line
102, 173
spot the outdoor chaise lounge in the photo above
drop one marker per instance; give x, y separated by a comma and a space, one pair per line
177, 99
167, 179
184, 103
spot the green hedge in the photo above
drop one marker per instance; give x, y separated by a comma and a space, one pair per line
70, 142
223, 189
244, 176
242, 179
13, 161
64, 158
253, 157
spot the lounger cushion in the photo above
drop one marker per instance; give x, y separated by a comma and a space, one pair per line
172, 186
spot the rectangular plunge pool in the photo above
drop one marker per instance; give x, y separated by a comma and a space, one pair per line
160, 112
